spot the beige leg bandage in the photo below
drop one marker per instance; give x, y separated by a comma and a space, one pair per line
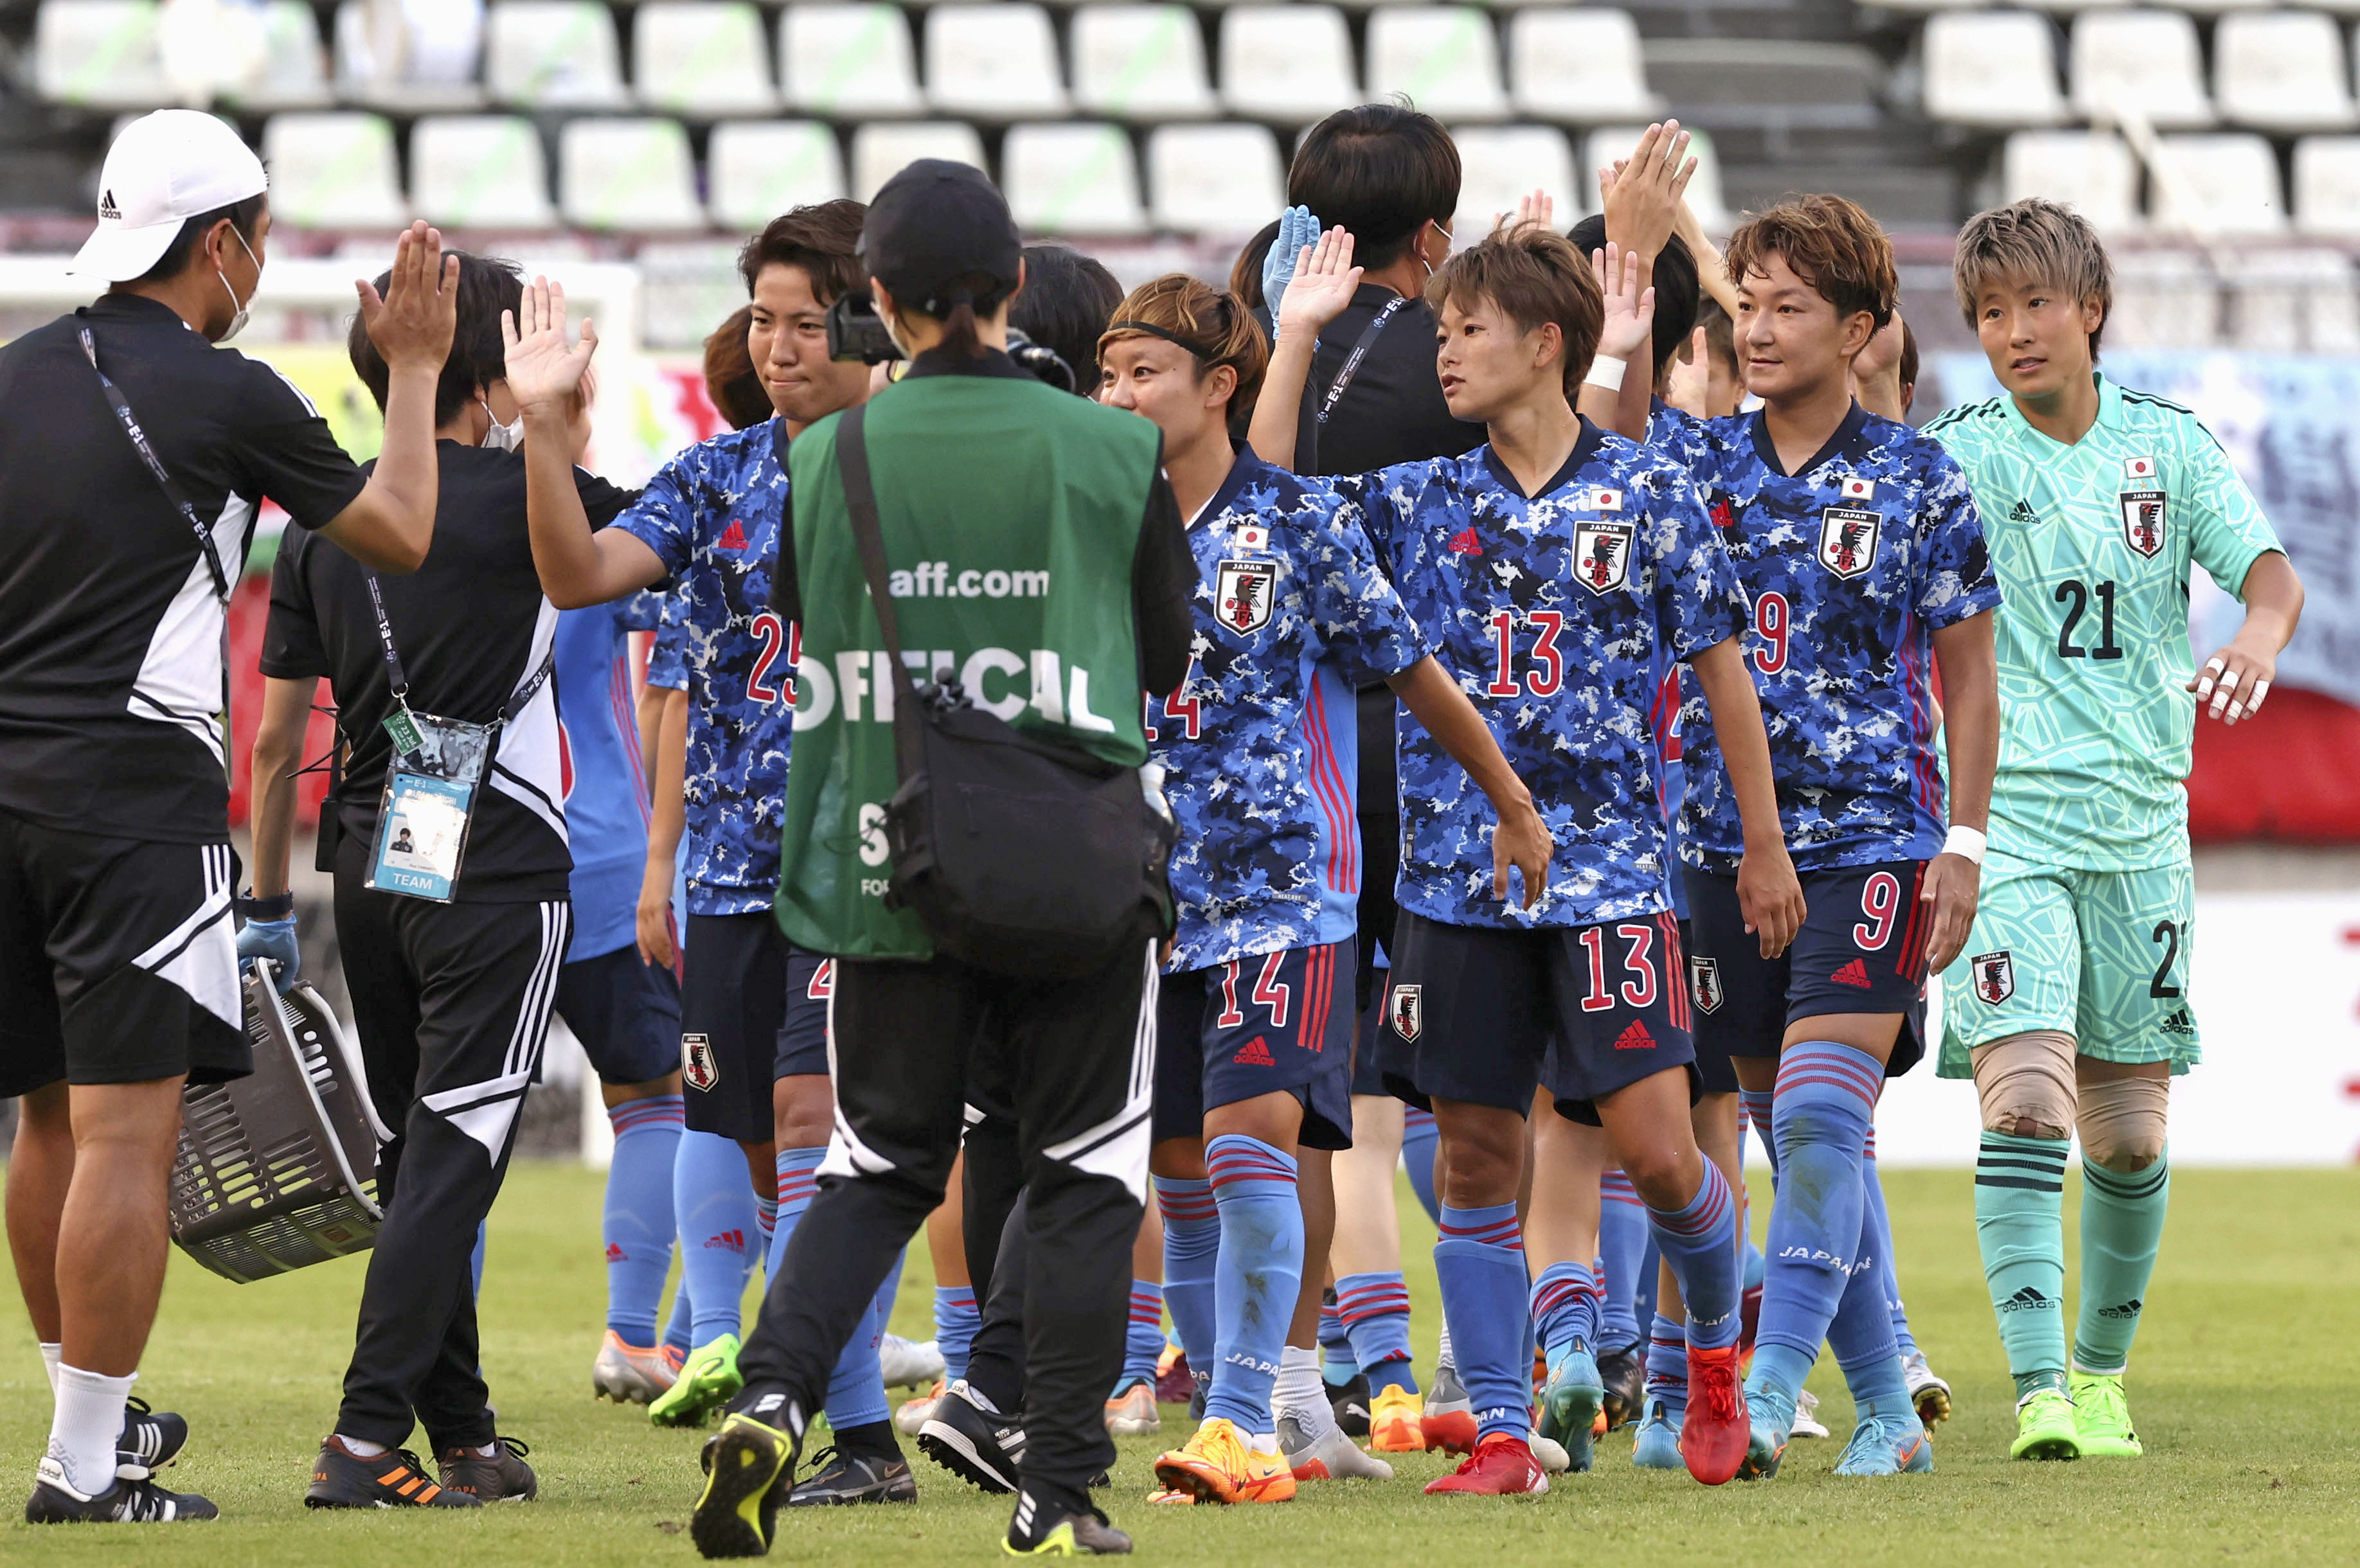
2026, 1083
2122, 1122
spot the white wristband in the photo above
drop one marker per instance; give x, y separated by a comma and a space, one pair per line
1606, 371
1968, 842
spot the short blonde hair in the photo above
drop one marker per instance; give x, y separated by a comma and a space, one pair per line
2039, 241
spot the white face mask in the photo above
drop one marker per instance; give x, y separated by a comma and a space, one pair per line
245, 309
498, 437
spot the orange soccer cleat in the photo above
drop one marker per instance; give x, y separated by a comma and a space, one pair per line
1218, 1465
1396, 1421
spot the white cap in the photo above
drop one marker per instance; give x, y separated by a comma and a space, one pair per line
165, 169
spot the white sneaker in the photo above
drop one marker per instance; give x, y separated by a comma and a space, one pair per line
909, 1364
1806, 1417
629, 1375
1554, 1460
1928, 1392
1330, 1456
912, 1417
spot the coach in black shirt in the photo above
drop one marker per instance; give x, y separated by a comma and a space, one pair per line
134, 456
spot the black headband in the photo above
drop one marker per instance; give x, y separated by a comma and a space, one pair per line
1154, 331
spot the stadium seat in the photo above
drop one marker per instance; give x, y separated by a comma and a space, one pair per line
2090, 171
1072, 179
1501, 164
760, 168
1601, 148
2230, 181
334, 172
2281, 70
881, 151
2163, 298
2293, 301
848, 61
1141, 62
100, 54
479, 171
1444, 59
1286, 64
993, 62
294, 74
2145, 59
702, 61
1220, 180
634, 175
1578, 63
1992, 68
554, 54
2327, 186
420, 57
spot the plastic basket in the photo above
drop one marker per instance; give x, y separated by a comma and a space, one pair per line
269, 1177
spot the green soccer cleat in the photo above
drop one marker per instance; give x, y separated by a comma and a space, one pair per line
707, 1380
1569, 1406
2044, 1428
1885, 1446
750, 1470
2102, 1417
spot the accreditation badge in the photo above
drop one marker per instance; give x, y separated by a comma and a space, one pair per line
429, 804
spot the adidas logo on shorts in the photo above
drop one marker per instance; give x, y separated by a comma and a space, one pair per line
1255, 1054
1852, 974
1634, 1037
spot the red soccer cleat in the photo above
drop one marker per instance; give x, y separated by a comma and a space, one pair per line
1713, 1437
1501, 1465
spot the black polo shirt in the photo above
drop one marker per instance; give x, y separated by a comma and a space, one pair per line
110, 632
1392, 411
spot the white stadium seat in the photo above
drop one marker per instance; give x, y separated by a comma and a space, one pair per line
1072, 179
848, 61
2090, 171
1222, 181
881, 151
334, 172
1992, 68
2293, 301
993, 62
760, 168
2281, 70
2231, 180
2145, 59
421, 57
1501, 164
479, 171
1444, 59
100, 54
554, 54
2327, 186
1286, 64
1579, 64
294, 74
1141, 62
634, 175
701, 61
2163, 298
1603, 146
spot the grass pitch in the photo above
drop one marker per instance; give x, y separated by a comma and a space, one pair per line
2247, 1369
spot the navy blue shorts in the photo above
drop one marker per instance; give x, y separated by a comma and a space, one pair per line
1488, 1015
1862, 949
733, 1008
803, 1038
1714, 1070
1367, 1070
1257, 1026
625, 1012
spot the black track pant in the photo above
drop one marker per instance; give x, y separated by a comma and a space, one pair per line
1077, 1060
452, 1005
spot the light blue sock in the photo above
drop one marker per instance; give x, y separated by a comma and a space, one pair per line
680, 1329
1420, 1138
1337, 1365
713, 1203
1861, 1335
1375, 1310
1192, 1250
856, 1390
956, 1319
1757, 1105
1143, 1341
1565, 1309
1827, 1093
1667, 1365
637, 1225
476, 1259
1259, 1270
1700, 1241
1479, 1260
758, 1246
1878, 1238
798, 1180
1643, 1298
1622, 1243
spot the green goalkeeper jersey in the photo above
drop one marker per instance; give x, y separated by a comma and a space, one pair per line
2091, 544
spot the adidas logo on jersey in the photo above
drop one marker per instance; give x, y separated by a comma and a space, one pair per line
1255, 1054
1852, 974
1464, 542
2129, 1309
732, 538
2022, 512
2179, 1023
1634, 1037
2027, 1300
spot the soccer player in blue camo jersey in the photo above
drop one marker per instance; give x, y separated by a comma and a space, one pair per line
1861, 547
1557, 565
754, 1046
1259, 746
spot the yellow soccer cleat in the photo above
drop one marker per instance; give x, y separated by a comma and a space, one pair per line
1218, 1465
1395, 1424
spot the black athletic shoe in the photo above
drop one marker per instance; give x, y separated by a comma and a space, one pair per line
504, 1477
126, 1502
1051, 1529
840, 1477
394, 1479
980, 1447
1351, 1401
1204, 1382
1624, 1373
749, 1467
150, 1439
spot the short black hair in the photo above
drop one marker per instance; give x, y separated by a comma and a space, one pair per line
1245, 273
1673, 278
244, 216
487, 286
820, 238
1068, 300
1382, 170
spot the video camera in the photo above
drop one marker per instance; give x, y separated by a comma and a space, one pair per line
856, 334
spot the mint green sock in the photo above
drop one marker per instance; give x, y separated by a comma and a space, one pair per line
2020, 1226
2122, 1227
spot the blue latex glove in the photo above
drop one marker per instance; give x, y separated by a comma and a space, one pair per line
273, 940
1296, 228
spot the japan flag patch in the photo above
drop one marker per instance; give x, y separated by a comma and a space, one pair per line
1250, 536
1858, 489
2139, 468
1601, 499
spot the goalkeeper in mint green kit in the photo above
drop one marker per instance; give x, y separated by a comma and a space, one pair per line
2069, 1007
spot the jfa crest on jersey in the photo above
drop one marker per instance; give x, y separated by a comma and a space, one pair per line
1556, 615
1852, 563
1260, 744
2144, 506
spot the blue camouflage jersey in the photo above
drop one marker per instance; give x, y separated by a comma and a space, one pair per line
1261, 743
711, 516
1557, 616
604, 775
1852, 565
668, 659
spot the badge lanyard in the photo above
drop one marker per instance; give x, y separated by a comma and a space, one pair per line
1335, 389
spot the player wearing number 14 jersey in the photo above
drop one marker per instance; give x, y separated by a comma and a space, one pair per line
2071, 1010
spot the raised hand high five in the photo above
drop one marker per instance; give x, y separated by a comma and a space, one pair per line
411, 325
1322, 284
544, 371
